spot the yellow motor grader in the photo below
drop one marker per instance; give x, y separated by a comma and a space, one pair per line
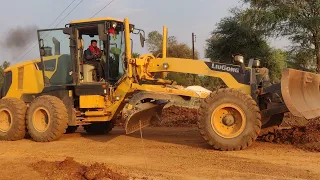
58, 92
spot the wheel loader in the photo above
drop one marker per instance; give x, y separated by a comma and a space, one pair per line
58, 92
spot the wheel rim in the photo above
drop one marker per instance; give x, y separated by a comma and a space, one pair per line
5, 120
228, 120
41, 119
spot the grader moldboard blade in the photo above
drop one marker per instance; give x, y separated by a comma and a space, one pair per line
141, 115
301, 93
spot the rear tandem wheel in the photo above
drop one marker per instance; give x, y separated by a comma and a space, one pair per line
47, 119
12, 119
229, 120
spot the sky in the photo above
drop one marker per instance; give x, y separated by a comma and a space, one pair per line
182, 17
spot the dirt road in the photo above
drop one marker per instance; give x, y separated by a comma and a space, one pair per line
165, 153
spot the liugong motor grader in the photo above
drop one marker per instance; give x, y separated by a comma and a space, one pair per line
57, 92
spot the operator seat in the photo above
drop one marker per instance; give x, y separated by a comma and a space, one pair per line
87, 70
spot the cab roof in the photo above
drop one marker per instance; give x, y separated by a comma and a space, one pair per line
95, 20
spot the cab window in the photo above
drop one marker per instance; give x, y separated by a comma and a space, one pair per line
50, 65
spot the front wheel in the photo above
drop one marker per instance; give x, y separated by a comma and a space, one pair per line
229, 120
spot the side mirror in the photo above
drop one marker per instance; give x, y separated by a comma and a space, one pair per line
142, 39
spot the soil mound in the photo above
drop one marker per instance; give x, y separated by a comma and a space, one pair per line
306, 137
177, 116
72, 170
297, 131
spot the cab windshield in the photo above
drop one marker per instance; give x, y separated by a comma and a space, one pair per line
110, 41
116, 49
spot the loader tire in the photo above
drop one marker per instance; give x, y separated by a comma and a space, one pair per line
12, 119
72, 128
229, 120
47, 119
99, 128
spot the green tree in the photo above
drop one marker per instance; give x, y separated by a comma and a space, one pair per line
176, 49
233, 36
275, 61
299, 20
3, 66
135, 55
154, 42
303, 59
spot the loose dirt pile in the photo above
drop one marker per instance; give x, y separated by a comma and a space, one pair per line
306, 137
72, 170
303, 134
298, 131
177, 116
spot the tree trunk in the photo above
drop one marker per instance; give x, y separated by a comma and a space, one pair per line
317, 50
318, 60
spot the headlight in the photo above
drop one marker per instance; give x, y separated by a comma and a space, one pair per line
256, 63
239, 59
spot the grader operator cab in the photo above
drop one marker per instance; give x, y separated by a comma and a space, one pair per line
58, 92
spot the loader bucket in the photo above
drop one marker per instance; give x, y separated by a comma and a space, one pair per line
142, 115
301, 93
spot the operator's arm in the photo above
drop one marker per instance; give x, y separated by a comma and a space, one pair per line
99, 53
88, 54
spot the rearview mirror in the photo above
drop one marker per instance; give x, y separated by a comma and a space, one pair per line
142, 39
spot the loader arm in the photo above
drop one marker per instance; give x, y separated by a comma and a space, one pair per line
147, 68
233, 76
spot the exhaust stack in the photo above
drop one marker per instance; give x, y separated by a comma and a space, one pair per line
56, 46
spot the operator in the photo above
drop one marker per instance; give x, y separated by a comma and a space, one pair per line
93, 56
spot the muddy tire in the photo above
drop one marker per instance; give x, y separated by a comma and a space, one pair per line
47, 119
229, 120
12, 119
71, 129
99, 128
